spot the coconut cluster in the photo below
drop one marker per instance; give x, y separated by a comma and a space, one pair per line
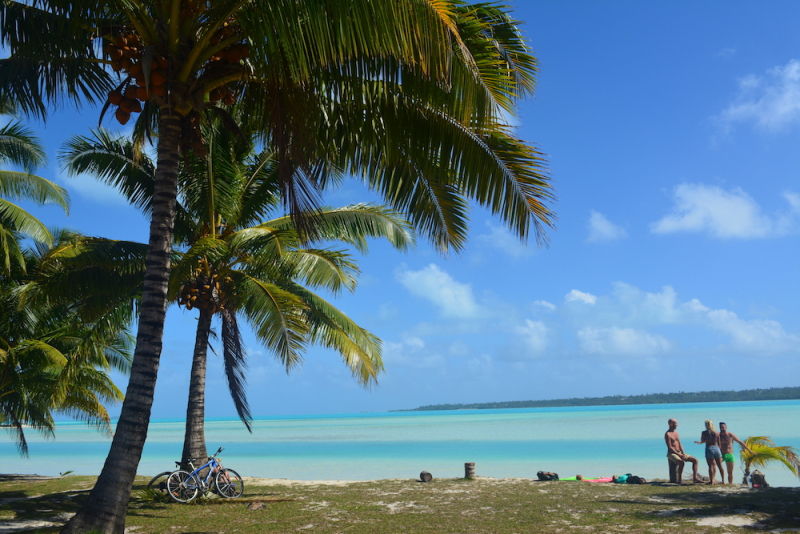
202, 292
126, 52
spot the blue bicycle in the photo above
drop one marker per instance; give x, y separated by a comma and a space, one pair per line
184, 486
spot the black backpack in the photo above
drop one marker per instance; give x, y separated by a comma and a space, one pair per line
546, 475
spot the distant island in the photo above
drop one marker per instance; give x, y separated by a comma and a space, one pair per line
617, 400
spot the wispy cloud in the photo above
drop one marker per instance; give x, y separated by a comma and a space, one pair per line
726, 53
92, 189
534, 334
771, 102
628, 321
726, 214
410, 352
544, 304
500, 238
601, 229
621, 341
454, 299
580, 296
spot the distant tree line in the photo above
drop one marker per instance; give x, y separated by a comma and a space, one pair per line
619, 400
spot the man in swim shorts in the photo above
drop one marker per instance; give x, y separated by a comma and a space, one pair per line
676, 454
726, 440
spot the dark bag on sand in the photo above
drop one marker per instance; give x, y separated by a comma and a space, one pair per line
759, 480
546, 475
633, 479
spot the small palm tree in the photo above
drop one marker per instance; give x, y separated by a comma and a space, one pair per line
20, 148
764, 452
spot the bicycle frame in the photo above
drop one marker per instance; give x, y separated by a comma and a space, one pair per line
213, 465
184, 486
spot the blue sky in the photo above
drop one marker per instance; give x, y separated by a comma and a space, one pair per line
672, 133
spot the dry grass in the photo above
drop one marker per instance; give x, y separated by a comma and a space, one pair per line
442, 506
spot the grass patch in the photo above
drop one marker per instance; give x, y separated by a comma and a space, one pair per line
441, 506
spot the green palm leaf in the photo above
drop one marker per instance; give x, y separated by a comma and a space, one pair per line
765, 452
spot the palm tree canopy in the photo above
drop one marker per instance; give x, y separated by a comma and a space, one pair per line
410, 95
20, 148
51, 359
261, 269
764, 452
325, 81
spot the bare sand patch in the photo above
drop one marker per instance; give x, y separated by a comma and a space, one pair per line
728, 521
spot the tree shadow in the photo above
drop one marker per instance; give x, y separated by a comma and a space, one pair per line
770, 508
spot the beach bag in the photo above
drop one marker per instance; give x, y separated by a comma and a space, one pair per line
546, 475
759, 480
633, 479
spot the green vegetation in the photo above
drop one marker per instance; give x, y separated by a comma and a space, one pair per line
441, 506
55, 357
765, 452
230, 262
412, 97
621, 400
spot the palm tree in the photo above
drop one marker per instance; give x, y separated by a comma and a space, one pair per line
326, 82
764, 452
51, 359
230, 263
20, 147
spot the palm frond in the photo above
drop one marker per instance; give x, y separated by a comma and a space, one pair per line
234, 356
19, 146
329, 327
112, 160
276, 316
764, 452
19, 220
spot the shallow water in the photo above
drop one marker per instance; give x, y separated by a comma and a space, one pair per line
592, 441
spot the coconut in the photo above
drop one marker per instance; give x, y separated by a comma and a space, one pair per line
115, 97
122, 116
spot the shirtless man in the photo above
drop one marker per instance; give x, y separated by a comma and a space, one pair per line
676, 454
726, 440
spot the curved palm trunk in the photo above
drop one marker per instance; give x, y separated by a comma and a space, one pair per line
194, 441
106, 508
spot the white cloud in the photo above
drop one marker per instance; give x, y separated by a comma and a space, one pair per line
621, 323
772, 102
544, 304
726, 53
601, 229
757, 336
92, 189
580, 296
621, 342
726, 214
500, 238
534, 334
453, 298
642, 307
410, 352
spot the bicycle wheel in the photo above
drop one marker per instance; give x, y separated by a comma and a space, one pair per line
182, 486
159, 482
229, 484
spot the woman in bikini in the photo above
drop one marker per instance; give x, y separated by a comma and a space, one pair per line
710, 437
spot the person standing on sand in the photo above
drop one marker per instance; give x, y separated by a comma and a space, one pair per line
676, 454
713, 453
726, 440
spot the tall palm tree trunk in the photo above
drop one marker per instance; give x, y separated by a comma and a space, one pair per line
106, 508
194, 441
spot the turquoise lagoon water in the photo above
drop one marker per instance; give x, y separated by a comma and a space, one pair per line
592, 441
